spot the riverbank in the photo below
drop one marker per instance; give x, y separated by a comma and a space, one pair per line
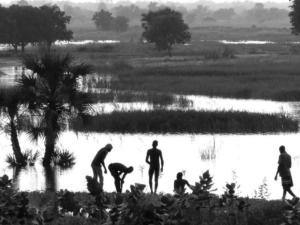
137, 207
164, 121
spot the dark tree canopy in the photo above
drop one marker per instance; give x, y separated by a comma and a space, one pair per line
21, 25
295, 16
54, 25
105, 21
120, 23
165, 28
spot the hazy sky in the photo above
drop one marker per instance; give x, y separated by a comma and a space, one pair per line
182, 1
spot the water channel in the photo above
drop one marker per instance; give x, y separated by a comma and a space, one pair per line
248, 160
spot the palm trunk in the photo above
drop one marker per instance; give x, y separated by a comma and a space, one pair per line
50, 137
49, 150
15, 144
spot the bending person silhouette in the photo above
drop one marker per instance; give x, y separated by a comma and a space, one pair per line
284, 165
180, 183
153, 157
98, 161
116, 170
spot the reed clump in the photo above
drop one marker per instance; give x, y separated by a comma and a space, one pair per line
164, 121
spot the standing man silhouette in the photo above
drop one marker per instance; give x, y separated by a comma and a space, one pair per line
98, 161
284, 166
153, 157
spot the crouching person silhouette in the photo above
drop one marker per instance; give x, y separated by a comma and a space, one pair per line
116, 170
179, 184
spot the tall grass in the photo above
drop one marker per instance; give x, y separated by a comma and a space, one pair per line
162, 121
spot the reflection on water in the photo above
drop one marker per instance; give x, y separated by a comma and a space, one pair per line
85, 42
10, 74
247, 159
91, 84
5, 47
246, 42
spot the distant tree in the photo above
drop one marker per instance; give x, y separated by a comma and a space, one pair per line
3, 25
102, 6
120, 23
165, 28
22, 3
224, 14
257, 13
18, 25
132, 12
295, 16
22, 23
53, 25
103, 20
197, 15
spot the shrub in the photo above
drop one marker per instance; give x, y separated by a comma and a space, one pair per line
14, 209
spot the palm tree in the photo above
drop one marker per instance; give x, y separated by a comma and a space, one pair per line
10, 104
52, 93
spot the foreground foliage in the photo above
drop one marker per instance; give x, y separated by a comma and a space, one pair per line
135, 207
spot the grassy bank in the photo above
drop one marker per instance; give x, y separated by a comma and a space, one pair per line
162, 121
268, 71
135, 207
259, 211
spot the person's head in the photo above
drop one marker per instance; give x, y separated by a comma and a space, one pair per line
154, 143
179, 176
129, 169
282, 149
108, 147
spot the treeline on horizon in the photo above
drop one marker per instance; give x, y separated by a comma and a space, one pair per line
202, 13
21, 25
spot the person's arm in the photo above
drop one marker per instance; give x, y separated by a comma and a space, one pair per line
162, 162
147, 157
276, 175
124, 175
188, 184
103, 164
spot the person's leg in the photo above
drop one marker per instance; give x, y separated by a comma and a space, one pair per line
156, 178
151, 171
118, 183
284, 194
94, 173
100, 174
291, 192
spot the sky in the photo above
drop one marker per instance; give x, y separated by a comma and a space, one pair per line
182, 1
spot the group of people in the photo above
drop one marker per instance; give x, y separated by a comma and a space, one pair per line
156, 164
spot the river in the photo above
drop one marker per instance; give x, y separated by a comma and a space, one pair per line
249, 160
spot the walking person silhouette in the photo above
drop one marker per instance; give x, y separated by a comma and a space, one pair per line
98, 161
154, 158
116, 170
284, 165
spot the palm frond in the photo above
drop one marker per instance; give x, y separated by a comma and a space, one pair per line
33, 63
35, 133
81, 69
